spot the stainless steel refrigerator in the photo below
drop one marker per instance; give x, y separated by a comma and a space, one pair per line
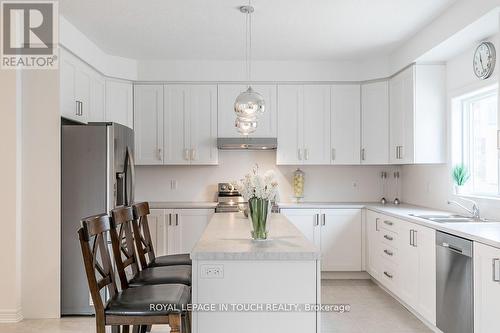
97, 175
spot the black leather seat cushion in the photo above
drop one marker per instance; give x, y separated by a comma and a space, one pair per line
171, 260
138, 301
162, 275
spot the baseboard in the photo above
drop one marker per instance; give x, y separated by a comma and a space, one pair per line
345, 275
10, 316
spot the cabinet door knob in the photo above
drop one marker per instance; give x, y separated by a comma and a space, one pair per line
496, 270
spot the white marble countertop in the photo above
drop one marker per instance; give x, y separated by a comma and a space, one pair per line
181, 205
227, 237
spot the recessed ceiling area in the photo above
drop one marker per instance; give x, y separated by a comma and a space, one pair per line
323, 30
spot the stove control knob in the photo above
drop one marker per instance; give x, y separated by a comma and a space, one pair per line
223, 187
231, 187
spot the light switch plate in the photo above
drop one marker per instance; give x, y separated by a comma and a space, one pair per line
212, 271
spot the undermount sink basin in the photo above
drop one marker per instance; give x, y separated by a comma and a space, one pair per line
449, 218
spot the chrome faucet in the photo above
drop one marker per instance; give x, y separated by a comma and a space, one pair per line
474, 211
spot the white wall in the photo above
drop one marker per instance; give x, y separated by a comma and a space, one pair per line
41, 194
10, 191
431, 185
322, 183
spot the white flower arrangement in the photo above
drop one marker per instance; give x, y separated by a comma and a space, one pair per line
254, 185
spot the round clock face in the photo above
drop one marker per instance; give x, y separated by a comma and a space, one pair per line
484, 60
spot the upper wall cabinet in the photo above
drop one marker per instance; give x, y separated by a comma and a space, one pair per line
418, 115
148, 124
345, 124
227, 93
375, 123
75, 83
119, 108
303, 124
190, 124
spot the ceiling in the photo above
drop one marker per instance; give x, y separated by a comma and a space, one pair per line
339, 30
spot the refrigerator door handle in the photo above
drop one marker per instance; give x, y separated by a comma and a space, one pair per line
129, 163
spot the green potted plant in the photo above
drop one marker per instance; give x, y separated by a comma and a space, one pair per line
460, 176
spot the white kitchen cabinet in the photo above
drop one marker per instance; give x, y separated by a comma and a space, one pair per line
486, 288
345, 124
307, 221
177, 230
337, 232
97, 98
148, 124
190, 124
119, 102
75, 83
341, 240
417, 115
375, 122
373, 266
417, 265
303, 124
227, 93
404, 261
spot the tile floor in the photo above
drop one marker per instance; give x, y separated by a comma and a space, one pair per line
372, 311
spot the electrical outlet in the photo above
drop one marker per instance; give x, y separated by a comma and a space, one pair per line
212, 271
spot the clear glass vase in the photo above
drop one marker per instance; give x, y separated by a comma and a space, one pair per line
258, 213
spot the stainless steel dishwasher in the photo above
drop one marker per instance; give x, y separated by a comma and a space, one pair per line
454, 288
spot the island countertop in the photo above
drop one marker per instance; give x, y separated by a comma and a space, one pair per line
227, 237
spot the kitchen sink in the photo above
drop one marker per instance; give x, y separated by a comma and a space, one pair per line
449, 218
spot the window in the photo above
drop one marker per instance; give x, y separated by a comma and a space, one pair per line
474, 140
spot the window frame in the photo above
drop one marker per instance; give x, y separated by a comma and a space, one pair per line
461, 113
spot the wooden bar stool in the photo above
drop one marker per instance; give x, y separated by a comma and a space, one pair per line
122, 240
144, 244
131, 306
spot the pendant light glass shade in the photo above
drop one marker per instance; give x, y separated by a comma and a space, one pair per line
246, 126
249, 104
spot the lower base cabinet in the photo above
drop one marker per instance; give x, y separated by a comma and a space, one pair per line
337, 232
486, 288
176, 231
402, 257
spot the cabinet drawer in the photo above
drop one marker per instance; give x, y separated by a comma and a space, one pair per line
389, 275
387, 223
389, 253
388, 237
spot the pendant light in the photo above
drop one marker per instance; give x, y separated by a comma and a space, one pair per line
249, 104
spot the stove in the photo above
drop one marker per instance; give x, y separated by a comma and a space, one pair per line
229, 200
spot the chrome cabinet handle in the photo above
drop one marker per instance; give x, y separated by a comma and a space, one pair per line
389, 253
77, 109
415, 233
363, 154
306, 154
323, 219
411, 237
186, 154
176, 219
299, 154
388, 275
397, 152
193, 155
376, 223
496, 270
169, 219
316, 219
388, 237
388, 222
333, 154
159, 154
401, 152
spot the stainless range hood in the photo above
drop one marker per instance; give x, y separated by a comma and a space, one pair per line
245, 143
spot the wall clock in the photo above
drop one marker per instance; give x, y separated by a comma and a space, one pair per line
484, 60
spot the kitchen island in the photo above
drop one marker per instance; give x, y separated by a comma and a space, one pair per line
249, 286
